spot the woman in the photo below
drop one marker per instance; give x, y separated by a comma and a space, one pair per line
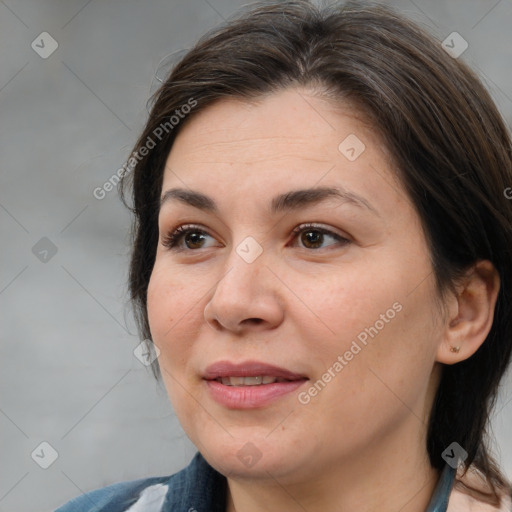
322, 255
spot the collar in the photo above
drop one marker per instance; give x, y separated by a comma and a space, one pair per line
439, 500
198, 487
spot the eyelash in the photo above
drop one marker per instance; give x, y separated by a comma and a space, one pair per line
172, 239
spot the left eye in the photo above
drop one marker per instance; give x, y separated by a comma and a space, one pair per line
314, 237
192, 237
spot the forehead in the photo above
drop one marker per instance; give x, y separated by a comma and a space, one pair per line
284, 140
293, 120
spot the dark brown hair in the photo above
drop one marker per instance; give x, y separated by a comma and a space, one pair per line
449, 143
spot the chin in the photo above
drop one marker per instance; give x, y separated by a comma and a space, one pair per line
250, 456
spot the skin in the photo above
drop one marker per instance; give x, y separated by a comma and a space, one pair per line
359, 444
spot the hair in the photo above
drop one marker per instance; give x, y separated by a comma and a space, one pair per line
449, 143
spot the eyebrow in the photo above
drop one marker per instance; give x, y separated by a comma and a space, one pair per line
293, 200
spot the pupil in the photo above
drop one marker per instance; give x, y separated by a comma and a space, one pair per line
193, 239
312, 238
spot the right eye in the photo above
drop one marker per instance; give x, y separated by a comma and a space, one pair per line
187, 237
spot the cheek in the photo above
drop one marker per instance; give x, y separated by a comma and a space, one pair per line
167, 314
378, 316
347, 300
168, 300
167, 308
175, 305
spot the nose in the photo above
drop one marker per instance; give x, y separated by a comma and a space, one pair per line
246, 298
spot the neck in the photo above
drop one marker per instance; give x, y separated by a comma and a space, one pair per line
395, 475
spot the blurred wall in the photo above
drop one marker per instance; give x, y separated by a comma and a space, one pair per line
74, 79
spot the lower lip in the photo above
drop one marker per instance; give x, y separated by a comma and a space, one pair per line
250, 397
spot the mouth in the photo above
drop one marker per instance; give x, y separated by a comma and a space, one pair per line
250, 384
249, 373
258, 380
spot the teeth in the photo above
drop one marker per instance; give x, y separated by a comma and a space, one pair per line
250, 381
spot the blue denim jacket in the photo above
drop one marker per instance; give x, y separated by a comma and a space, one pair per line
196, 488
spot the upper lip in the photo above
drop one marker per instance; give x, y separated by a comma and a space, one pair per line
248, 369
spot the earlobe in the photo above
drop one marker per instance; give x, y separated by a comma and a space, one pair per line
471, 314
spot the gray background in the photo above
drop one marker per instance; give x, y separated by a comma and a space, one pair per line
68, 373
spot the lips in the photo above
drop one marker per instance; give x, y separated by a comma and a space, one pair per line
225, 369
251, 384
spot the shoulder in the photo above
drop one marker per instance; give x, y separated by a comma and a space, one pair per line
471, 493
196, 485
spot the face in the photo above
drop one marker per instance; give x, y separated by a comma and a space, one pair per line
335, 290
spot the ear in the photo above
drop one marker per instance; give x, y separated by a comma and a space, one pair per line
470, 314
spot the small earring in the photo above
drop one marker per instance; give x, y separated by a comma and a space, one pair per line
455, 349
